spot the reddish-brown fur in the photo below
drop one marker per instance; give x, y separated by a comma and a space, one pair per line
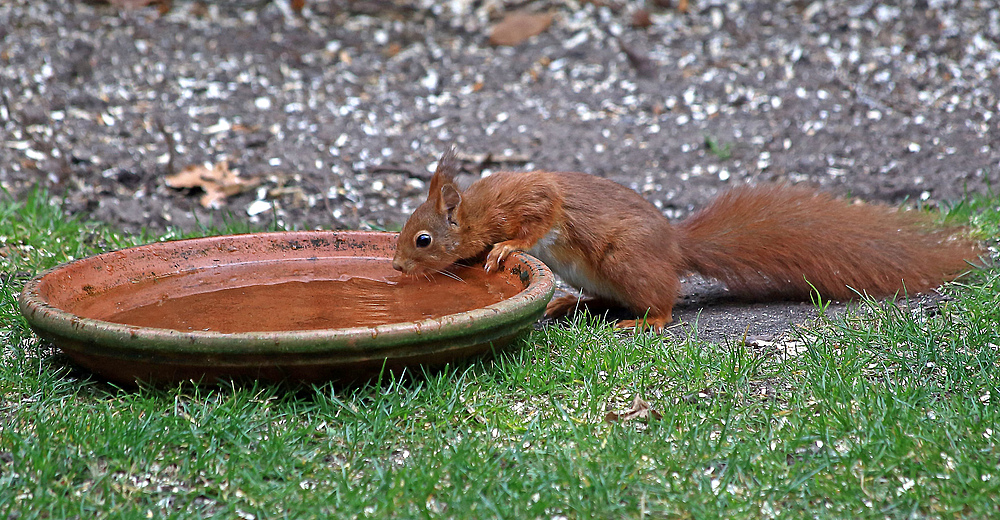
785, 241
763, 242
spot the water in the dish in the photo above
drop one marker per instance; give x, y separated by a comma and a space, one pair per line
323, 304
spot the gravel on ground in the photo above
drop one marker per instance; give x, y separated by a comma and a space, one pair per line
334, 114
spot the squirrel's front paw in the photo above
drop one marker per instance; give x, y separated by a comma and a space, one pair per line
499, 254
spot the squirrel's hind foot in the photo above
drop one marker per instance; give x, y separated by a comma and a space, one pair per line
654, 323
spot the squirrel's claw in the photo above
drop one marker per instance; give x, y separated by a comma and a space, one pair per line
499, 255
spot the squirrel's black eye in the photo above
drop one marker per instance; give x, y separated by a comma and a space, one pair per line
423, 240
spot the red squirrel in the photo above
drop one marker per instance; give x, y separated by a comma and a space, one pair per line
605, 239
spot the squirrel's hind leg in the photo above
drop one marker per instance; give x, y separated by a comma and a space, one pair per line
563, 305
649, 291
568, 304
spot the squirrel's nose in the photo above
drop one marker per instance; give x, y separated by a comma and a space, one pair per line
397, 265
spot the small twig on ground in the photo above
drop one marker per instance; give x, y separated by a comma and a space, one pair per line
481, 160
169, 139
409, 170
643, 65
484, 159
324, 194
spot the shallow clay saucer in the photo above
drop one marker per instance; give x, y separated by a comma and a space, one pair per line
76, 305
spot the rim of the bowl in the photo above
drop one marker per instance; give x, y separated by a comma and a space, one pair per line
46, 318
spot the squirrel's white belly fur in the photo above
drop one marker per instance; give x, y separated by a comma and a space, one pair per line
569, 264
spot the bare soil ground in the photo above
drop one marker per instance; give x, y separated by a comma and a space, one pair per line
336, 113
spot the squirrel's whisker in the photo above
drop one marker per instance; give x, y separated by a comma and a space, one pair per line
451, 275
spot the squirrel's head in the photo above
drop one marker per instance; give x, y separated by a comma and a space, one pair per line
431, 238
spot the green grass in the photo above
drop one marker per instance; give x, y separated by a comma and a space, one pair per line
720, 150
888, 412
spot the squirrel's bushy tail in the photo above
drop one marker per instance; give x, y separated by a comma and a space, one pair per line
783, 241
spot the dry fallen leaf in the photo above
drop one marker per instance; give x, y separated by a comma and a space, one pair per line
131, 5
519, 26
641, 19
682, 5
218, 182
640, 409
392, 50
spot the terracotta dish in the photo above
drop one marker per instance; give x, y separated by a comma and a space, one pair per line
308, 306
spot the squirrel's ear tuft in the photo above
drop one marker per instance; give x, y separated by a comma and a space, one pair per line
448, 164
447, 168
